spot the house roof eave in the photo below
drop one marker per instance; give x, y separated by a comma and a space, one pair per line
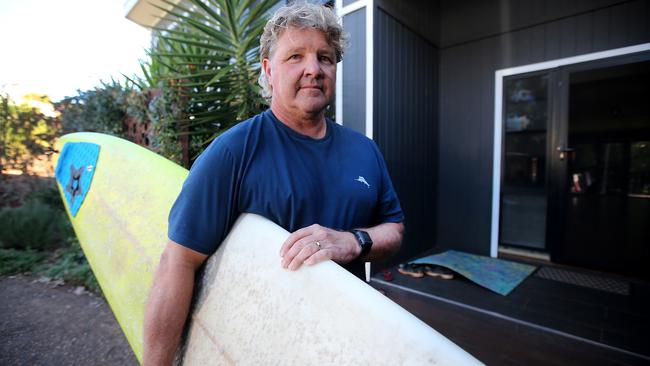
144, 13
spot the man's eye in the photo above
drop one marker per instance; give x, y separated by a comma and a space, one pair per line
326, 59
294, 57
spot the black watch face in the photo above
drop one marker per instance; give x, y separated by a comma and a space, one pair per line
364, 237
364, 242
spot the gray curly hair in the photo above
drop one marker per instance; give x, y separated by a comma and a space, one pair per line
299, 15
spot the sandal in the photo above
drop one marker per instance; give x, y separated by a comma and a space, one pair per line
438, 271
410, 270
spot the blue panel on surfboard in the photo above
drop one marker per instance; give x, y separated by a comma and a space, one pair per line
74, 172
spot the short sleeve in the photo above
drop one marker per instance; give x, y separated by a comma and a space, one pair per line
389, 208
206, 206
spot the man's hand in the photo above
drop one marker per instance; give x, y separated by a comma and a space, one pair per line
316, 243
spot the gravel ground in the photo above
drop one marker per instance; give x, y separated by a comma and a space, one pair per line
47, 323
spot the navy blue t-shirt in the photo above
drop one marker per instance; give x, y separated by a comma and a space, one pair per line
262, 166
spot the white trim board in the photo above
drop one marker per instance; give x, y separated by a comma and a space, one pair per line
498, 115
341, 12
338, 103
370, 35
345, 10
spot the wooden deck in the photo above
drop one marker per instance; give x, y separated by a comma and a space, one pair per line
542, 322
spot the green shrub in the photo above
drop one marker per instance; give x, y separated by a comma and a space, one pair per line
70, 265
9, 196
48, 193
101, 109
14, 261
164, 112
25, 132
34, 225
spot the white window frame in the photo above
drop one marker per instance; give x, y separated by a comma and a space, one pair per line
499, 75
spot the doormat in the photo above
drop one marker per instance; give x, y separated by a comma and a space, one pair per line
497, 275
595, 282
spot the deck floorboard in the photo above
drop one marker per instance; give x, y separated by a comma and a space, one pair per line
541, 322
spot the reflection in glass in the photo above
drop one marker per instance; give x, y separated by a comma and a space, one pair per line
526, 104
523, 199
611, 168
639, 183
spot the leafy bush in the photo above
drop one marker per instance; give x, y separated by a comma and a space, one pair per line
98, 110
34, 225
9, 196
70, 265
48, 193
14, 261
164, 112
25, 132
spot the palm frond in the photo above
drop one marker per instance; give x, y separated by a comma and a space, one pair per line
209, 57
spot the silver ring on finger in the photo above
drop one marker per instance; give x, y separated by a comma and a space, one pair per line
317, 244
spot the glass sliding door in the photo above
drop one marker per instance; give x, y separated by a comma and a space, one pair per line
575, 158
604, 205
524, 174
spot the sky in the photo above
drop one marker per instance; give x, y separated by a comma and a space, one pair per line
55, 47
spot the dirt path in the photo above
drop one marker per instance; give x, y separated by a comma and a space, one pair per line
43, 324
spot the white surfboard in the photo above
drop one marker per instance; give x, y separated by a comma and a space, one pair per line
251, 311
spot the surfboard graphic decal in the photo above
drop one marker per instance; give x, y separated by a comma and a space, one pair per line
74, 172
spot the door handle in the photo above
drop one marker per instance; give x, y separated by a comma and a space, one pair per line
563, 150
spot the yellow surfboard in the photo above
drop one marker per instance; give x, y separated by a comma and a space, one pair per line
248, 309
122, 222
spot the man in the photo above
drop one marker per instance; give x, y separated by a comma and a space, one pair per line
290, 164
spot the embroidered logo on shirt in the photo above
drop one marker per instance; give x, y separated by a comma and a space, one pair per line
363, 180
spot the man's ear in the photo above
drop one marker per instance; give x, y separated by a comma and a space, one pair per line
266, 65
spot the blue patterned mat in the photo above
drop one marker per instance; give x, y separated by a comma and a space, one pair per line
498, 275
75, 170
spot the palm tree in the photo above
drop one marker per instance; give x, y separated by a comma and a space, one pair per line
210, 57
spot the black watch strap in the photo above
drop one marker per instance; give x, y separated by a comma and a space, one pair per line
364, 240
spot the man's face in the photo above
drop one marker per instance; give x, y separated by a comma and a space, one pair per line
301, 72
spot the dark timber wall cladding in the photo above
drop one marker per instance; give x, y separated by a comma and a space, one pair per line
405, 124
480, 37
420, 16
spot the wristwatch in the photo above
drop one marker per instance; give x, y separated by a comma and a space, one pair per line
364, 241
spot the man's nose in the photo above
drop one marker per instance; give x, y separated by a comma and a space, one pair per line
313, 66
